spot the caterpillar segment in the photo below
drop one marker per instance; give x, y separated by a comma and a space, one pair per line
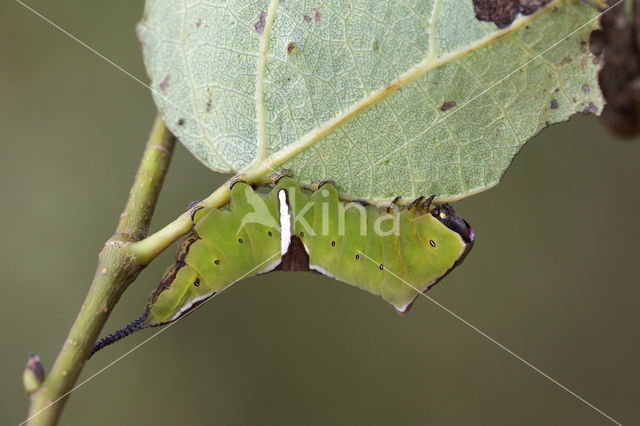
395, 253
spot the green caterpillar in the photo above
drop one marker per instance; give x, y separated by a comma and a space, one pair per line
379, 250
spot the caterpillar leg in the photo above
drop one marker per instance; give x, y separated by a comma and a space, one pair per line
237, 178
414, 205
275, 177
317, 184
427, 203
193, 204
193, 208
393, 205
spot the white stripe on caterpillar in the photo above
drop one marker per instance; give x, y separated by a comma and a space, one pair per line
285, 222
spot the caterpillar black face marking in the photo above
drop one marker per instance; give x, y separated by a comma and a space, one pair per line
448, 216
292, 229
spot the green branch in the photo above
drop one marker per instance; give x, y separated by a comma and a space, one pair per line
117, 268
149, 248
124, 255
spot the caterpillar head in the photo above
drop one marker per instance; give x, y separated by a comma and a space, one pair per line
449, 218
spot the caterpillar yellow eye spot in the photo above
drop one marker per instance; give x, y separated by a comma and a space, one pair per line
315, 248
64, 373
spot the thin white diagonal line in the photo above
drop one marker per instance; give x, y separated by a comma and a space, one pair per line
162, 330
500, 345
260, 160
77, 40
432, 300
128, 74
487, 89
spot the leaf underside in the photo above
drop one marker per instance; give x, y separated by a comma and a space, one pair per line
403, 98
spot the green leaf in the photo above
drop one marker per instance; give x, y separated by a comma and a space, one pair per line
404, 98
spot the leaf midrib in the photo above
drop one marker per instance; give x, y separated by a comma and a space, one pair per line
264, 165
261, 70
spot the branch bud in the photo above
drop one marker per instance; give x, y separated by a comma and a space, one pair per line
33, 374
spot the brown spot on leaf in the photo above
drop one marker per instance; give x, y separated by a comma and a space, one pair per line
586, 88
291, 47
307, 19
584, 63
262, 20
198, 23
165, 84
590, 109
554, 104
583, 46
504, 12
181, 122
317, 15
447, 105
209, 104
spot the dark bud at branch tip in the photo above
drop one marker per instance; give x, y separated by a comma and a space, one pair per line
33, 374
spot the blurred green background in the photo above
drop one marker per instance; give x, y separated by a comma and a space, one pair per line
553, 276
